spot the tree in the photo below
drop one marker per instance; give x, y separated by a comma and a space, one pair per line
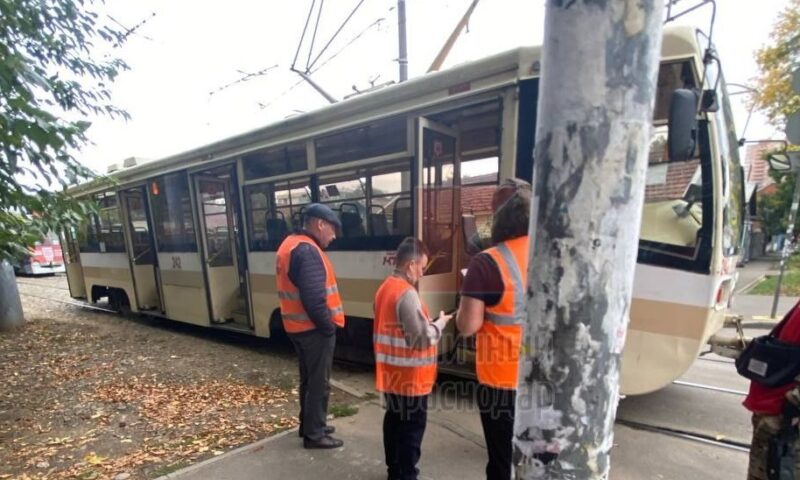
774, 208
774, 95
52, 79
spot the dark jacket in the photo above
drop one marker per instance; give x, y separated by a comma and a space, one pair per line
307, 272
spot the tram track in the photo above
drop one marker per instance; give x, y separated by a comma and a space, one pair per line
716, 360
709, 387
68, 302
34, 284
707, 439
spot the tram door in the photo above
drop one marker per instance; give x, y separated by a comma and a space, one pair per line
218, 221
72, 262
141, 243
438, 212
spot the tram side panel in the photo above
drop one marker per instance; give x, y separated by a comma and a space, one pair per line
670, 321
263, 292
184, 287
105, 274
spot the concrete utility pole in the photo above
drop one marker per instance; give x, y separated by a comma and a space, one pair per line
599, 67
402, 58
11, 315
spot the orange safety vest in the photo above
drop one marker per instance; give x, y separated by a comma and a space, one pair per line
295, 318
499, 338
399, 369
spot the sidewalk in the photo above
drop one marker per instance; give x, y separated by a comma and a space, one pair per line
755, 270
283, 456
453, 449
756, 309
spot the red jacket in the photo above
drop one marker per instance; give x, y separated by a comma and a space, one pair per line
769, 401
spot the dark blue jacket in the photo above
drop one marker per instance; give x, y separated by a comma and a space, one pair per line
307, 272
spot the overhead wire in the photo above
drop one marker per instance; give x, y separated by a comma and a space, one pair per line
314, 37
303, 36
377, 22
243, 79
346, 20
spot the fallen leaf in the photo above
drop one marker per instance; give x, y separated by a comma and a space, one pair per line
94, 459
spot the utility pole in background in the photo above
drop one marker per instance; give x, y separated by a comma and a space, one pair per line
599, 68
793, 160
451, 40
787, 241
402, 58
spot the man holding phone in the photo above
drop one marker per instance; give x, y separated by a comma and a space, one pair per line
405, 339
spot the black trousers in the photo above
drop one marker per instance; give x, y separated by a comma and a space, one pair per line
315, 355
403, 428
497, 418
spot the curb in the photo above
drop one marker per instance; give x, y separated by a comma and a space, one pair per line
259, 444
749, 286
225, 456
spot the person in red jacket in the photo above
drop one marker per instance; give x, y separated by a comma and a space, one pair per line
767, 405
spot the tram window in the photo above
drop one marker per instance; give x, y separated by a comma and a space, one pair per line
374, 206
732, 175
671, 76
143, 253
290, 199
672, 215
375, 139
172, 213
479, 180
348, 196
390, 204
275, 161
87, 241
267, 226
480, 171
438, 200
103, 230
214, 210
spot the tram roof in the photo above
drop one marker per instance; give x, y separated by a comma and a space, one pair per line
517, 63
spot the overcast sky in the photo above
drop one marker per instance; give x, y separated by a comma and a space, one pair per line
194, 48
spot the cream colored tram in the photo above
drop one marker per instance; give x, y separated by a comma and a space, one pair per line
192, 237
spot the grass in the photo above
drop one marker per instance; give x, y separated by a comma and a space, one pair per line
793, 263
342, 410
790, 285
370, 396
167, 469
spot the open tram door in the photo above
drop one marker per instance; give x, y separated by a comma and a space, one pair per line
141, 245
437, 216
226, 275
72, 263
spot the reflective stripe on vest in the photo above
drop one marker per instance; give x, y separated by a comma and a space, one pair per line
295, 318
399, 368
500, 337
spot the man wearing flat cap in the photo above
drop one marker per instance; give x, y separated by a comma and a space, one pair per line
311, 309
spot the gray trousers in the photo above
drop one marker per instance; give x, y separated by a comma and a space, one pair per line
315, 354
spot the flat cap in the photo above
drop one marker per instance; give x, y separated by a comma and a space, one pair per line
318, 210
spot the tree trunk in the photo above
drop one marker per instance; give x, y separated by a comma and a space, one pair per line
11, 315
600, 63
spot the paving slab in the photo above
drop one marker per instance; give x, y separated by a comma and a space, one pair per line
446, 454
454, 449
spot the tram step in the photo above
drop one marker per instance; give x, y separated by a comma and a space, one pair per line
239, 316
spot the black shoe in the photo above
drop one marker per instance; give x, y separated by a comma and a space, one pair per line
328, 430
325, 442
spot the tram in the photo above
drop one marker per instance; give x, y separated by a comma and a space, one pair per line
192, 237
